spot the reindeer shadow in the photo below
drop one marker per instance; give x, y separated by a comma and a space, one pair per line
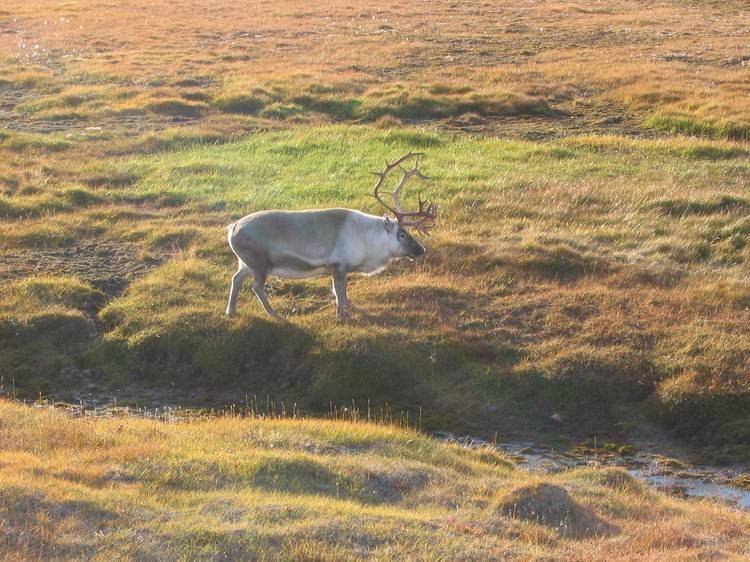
418, 307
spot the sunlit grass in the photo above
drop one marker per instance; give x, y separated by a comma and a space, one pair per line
673, 69
572, 273
288, 489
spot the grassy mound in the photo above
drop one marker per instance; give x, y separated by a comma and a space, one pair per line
45, 322
694, 126
353, 102
286, 489
551, 505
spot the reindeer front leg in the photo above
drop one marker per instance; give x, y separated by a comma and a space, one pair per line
339, 289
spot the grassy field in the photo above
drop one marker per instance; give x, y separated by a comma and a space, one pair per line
591, 164
571, 276
585, 262
677, 66
251, 489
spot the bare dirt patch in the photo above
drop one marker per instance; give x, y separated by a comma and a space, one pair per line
108, 266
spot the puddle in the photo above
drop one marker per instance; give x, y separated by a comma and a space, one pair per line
662, 473
693, 487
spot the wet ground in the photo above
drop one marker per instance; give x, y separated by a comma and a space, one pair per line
676, 477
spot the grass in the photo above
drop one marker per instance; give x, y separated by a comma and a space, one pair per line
591, 167
556, 282
292, 489
688, 125
349, 102
622, 67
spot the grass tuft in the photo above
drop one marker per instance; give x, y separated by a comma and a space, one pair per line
691, 126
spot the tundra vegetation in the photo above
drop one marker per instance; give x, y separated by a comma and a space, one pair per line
327, 490
592, 168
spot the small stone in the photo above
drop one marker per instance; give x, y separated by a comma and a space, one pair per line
443, 435
556, 417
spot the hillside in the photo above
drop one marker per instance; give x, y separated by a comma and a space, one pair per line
232, 488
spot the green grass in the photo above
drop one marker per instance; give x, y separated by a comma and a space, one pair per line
697, 127
44, 324
293, 489
355, 102
29, 141
332, 165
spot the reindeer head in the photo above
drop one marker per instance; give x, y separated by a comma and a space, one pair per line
421, 219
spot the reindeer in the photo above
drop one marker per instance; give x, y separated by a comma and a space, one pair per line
300, 244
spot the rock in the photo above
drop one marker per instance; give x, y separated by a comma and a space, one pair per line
443, 435
556, 417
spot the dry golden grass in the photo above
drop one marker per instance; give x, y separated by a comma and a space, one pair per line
240, 489
684, 66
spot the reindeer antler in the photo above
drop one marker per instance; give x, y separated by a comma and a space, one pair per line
425, 216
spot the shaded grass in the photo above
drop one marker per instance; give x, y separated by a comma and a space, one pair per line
18, 141
350, 102
682, 207
45, 321
83, 102
175, 107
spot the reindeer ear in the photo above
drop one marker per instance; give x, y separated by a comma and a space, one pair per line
388, 223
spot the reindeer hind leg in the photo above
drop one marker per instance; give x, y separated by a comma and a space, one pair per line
242, 273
